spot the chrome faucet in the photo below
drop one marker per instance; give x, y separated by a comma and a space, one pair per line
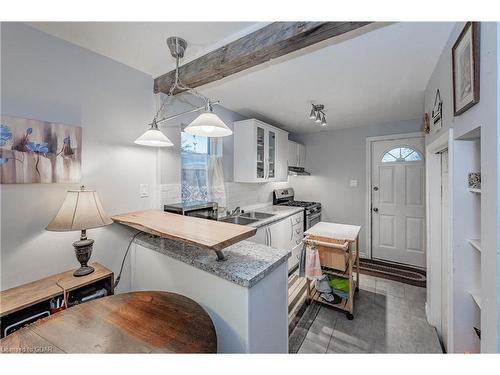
235, 212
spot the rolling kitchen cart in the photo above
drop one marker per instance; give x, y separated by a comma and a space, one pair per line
338, 248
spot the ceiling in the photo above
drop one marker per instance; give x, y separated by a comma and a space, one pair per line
375, 78
370, 78
142, 45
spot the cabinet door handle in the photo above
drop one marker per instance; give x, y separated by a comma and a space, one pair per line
291, 229
270, 237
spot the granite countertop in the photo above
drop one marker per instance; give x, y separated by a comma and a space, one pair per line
246, 262
280, 212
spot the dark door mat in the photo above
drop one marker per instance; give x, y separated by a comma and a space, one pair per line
305, 316
391, 271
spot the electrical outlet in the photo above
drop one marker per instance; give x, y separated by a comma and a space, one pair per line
353, 183
144, 190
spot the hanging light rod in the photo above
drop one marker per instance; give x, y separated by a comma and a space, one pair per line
217, 102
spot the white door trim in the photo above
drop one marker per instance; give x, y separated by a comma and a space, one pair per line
433, 231
368, 188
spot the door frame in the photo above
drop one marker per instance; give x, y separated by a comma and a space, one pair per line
434, 217
368, 187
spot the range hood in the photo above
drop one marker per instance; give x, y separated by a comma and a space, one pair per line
297, 171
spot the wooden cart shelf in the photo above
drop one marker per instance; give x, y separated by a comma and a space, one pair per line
338, 247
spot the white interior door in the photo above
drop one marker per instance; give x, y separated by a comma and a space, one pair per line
398, 201
444, 248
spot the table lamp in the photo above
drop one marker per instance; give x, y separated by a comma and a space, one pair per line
81, 210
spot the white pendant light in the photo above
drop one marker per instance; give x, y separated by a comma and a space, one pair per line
154, 137
208, 124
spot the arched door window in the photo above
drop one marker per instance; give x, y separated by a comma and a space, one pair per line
401, 154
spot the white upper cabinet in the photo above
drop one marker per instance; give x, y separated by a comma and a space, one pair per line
296, 154
260, 152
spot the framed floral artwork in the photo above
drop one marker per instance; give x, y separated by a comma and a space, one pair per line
33, 151
465, 61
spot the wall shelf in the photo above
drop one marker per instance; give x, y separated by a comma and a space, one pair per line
477, 298
466, 246
476, 244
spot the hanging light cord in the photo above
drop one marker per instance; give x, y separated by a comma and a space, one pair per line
117, 281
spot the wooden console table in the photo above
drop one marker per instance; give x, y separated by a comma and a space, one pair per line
137, 322
28, 301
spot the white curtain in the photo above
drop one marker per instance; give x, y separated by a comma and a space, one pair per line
215, 174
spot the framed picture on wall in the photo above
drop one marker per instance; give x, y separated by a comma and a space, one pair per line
34, 151
465, 61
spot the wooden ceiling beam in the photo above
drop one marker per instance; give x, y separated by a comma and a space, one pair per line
270, 42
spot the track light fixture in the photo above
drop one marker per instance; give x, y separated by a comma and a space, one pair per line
318, 114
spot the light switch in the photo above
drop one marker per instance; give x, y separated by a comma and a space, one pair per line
144, 190
353, 183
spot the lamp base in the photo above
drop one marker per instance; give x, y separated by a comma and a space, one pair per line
83, 251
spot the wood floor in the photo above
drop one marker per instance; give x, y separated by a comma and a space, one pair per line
389, 318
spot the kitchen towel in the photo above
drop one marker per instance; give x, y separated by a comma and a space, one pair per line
312, 269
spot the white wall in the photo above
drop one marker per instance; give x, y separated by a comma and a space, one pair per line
49, 79
334, 158
483, 114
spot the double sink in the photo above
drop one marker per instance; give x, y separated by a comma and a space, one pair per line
246, 218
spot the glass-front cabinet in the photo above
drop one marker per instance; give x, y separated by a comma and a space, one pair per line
260, 152
271, 151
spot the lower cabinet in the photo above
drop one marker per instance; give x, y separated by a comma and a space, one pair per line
284, 234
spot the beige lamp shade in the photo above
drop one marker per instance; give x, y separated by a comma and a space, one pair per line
80, 210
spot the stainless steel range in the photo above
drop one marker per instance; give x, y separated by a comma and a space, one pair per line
312, 210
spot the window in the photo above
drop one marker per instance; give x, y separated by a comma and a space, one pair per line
194, 162
401, 154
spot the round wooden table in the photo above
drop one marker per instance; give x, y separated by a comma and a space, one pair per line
137, 322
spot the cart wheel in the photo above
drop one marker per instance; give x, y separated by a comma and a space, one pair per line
349, 316
357, 289
308, 301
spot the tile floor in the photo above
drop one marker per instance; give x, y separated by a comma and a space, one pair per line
389, 317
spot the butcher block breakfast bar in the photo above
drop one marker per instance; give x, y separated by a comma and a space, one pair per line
209, 234
244, 289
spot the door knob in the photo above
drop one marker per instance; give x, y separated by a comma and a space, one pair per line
375, 188
375, 209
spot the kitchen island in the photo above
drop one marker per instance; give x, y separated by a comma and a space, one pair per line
245, 295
